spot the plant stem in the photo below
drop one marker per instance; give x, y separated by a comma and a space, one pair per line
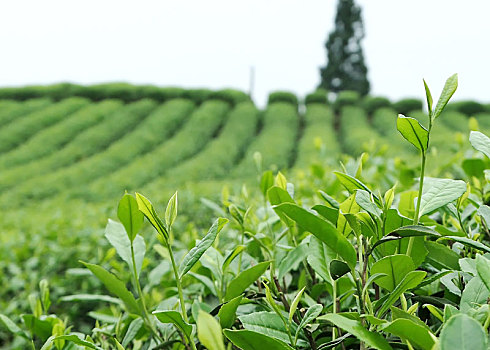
146, 316
334, 307
419, 200
181, 294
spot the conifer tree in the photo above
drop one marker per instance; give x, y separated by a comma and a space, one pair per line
345, 69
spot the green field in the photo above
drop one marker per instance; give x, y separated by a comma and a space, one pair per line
68, 154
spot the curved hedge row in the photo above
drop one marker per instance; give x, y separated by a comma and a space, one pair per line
122, 91
318, 132
276, 141
221, 154
114, 125
51, 139
19, 131
12, 110
124, 149
317, 96
202, 124
282, 96
456, 121
355, 133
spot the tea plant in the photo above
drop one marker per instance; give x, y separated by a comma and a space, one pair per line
351, 267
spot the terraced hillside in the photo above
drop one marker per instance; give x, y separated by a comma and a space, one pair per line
71, 144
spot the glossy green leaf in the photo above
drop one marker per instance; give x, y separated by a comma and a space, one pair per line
132, 331
474, 294
349, 206
193, 256
439, 192
463, 333
442, 257
115, 286
484, 212
278, 195
410, 281
352, 184
448, 90
175, 318
483, 269
77, 339
145, 206
227, 312
241, 282
294, 304
395, 267
310, 315
209, 332
319, 258
171, 210
249, 340
428, 96
267, 323
12, 327
338, 269
480, 142
372, 339
419, 336
116, 235
363, 198
413, 132
231, 256
292, 260
266, 181
129, 215
331, 214
323, 230
470, 243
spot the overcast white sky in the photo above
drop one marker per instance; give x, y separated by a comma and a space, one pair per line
213, 43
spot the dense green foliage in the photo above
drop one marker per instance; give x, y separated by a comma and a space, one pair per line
320, 241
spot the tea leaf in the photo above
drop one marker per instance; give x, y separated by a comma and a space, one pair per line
395, 267
413, 332
174, 317
250, 340
115, 286
238, 285
231, 256
411, 280
428, 96
145, 206
266, 181
413, 132
480, 142
209, 332
227, 312
323, 230
133, 329
129, 215
116, 235
483, 269
474, 294
464, 333
449, 89
309, 316
171, 210
372, 339
294, 304
195, 253
439, 192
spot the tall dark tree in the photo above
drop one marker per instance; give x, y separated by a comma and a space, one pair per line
345, 69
